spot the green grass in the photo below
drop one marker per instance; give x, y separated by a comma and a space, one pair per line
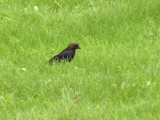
115, 75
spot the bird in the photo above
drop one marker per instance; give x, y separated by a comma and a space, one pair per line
67, 54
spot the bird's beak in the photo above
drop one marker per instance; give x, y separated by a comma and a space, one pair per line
78, 47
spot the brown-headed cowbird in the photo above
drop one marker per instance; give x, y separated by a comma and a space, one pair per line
67, 54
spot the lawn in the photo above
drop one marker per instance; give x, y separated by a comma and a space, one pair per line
114, 76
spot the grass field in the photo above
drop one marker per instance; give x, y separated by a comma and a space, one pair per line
115, 75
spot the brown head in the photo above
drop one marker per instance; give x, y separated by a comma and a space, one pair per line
73, 46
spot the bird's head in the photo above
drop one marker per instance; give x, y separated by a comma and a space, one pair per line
73, 46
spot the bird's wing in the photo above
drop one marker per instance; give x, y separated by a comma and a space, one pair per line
64, 54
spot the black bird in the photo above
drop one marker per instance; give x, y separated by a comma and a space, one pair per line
67, 54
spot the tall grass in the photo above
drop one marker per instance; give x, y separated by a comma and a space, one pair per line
114, 76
